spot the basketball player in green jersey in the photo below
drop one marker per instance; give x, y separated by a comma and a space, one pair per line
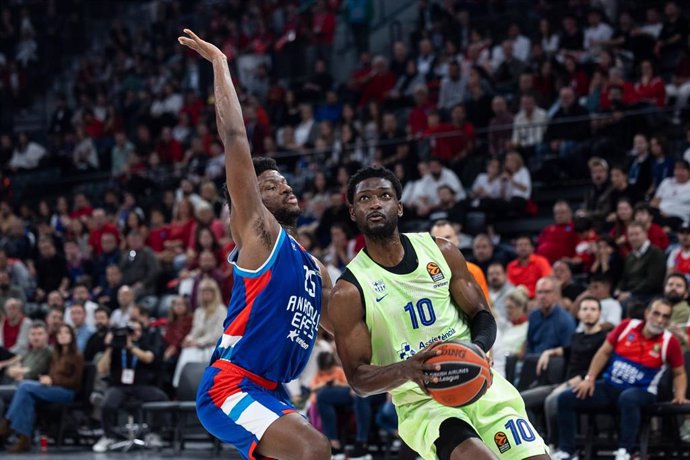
399, 297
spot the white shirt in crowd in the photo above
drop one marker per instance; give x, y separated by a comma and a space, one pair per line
491, 187
90, 309
529, 130
521, 177
29, 158
598, 33
675, 198
428, 186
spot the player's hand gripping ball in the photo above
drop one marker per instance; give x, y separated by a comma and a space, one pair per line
464, 377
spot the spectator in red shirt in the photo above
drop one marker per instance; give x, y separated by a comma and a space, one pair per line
528, 268
643, 215
463, 140
82, 207
417, 119
629, 94
437, 134
378, 83
14, 327
193, 106
625, 372
99, 226
650, 88
169, 150
323, 30
159, 231
558, 240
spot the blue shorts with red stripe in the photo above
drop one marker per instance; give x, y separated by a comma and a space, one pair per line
237, 407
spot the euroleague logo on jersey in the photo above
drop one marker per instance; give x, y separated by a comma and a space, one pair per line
434, 271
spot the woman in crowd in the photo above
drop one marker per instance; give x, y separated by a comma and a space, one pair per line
59, 386
207, 326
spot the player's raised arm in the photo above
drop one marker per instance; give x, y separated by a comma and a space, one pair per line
468, 296
242, 183
353, 344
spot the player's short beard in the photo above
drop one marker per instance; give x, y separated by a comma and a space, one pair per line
381, 232
287, 217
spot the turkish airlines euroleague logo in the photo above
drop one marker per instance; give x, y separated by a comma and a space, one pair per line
502, 442
434, 271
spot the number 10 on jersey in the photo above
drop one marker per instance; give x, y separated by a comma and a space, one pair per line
422, 312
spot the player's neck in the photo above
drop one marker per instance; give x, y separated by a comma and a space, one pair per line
388, 251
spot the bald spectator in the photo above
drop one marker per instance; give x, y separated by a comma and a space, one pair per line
125, 299
550, 326
14, 327
99, 227
139, 265
558, 240
528, 268
643, 269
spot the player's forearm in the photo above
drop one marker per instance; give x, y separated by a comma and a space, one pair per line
228, 109
369, 380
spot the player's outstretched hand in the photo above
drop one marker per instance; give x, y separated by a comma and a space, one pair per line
416, 369
207, 50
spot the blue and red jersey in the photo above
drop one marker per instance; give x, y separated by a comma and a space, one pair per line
639, 361
274, 313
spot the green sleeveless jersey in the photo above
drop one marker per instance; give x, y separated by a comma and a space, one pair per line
406, 312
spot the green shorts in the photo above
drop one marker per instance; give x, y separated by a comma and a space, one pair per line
499, 418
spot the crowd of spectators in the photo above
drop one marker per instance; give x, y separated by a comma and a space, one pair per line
470, 111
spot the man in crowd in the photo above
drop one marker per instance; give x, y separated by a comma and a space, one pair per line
638, 351
125, 299
96, 343
528, 268
82, 331
80, 295
550, 326
570, 288
596, 205
679, 258
499, 288
14, 327
644, 268
558, 240
676, 294
611, 310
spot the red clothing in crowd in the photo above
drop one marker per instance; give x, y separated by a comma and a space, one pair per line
81, 212
527, 275
441, 146
464, 136
653, 92
323, 27
657, 236
557, 241
95, 237
194, 110
177, 330
417, 119
157, 237
584, 250
169, 153
629, 96
377, 87
11, 333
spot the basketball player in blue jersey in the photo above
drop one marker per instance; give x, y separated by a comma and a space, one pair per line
275, 309
398, 297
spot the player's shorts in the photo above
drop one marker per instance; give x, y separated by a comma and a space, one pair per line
499, 418
237, 407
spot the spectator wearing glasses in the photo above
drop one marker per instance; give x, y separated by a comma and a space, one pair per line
638, 351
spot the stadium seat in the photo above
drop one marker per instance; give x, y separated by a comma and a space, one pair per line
668, 411
185, 404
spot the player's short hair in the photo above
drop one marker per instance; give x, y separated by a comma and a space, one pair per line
368, 173
262, 164
590, 298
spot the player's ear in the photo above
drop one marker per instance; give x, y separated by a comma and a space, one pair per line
351, 210
400, 209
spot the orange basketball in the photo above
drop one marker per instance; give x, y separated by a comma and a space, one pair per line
464, 377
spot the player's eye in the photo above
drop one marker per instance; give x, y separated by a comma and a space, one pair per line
363, 198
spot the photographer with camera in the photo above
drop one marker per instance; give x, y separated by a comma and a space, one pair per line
128, 360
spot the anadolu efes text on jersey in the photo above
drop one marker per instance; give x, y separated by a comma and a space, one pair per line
274, 313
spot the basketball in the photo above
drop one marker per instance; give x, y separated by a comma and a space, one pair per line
464, 377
